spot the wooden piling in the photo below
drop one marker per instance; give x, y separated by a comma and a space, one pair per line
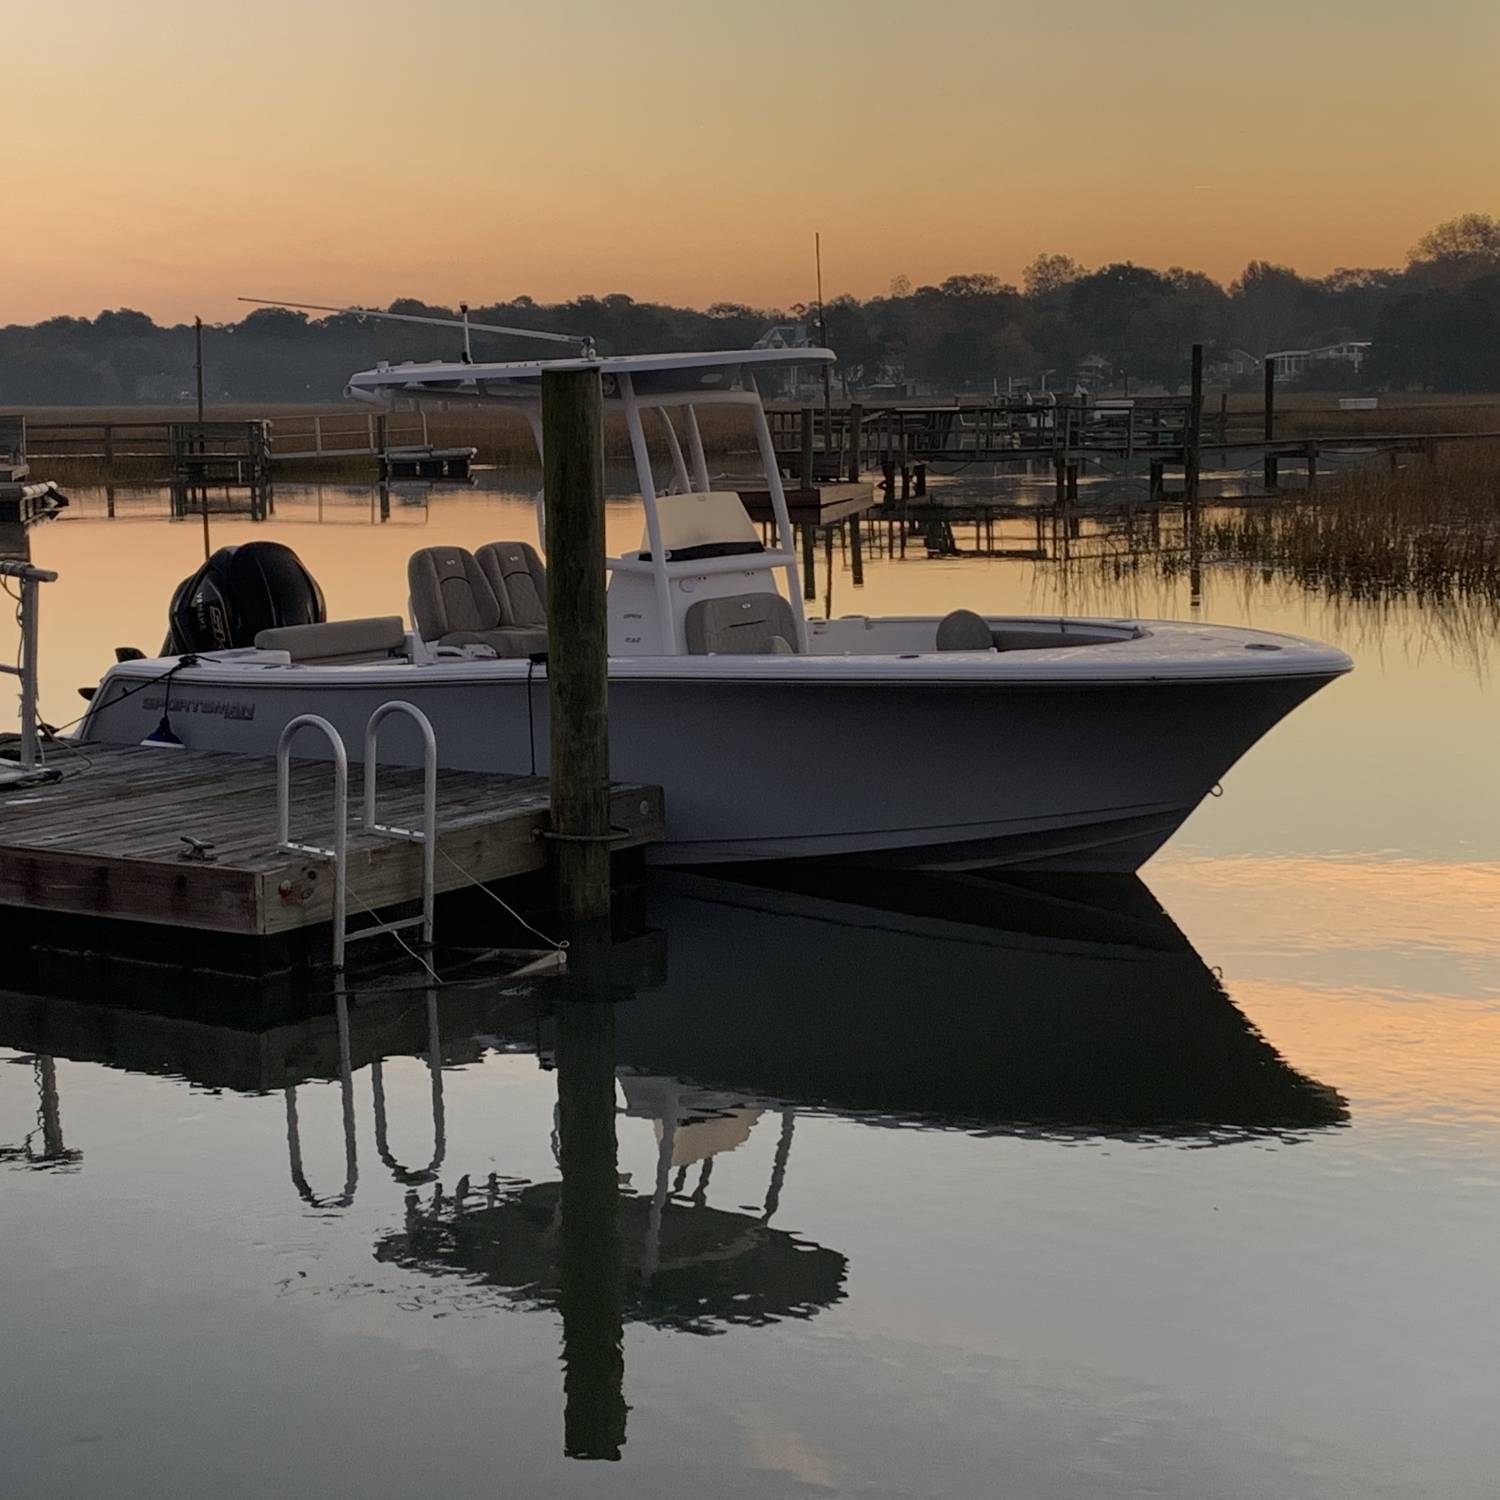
805, 474
856, 553
578, 662
856, 427
809, 564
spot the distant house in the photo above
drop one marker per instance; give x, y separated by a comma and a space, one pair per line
786, 384
1093, 372
1288, 364
1232, 364
785, 336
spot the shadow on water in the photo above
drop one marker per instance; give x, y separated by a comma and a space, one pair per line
1070, 1008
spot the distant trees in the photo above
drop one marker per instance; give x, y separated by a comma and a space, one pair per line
1441, 338
1433, 323
1458, 250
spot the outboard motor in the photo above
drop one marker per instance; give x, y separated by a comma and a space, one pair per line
239, 592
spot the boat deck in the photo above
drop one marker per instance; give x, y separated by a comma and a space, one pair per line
109, 839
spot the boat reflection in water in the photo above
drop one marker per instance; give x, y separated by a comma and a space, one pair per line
902, 1001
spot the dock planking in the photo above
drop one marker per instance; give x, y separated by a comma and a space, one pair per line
107, 839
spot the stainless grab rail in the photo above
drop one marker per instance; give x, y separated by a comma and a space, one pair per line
426, 836
340, 851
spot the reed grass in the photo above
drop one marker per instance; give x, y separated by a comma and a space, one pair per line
1317, 414
1430, 531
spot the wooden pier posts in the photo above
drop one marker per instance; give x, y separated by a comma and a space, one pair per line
578, 661
1268, 427
1193, 437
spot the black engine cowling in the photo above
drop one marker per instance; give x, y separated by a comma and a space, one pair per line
239, 592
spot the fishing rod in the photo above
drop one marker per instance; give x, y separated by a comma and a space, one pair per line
583, 340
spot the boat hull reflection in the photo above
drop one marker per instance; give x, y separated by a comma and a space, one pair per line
961, 1000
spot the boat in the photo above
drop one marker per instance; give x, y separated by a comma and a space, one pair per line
1042, 743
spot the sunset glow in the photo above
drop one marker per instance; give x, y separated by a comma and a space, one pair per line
185, 151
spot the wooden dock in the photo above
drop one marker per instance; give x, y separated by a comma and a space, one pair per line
23, 504
110, 838
815, 505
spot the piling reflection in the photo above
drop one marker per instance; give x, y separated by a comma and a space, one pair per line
591, 1290
43, 1146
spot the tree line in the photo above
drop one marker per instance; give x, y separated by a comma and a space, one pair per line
1434, 323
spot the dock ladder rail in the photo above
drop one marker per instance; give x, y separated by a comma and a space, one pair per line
339, 854
29, 577
426, 836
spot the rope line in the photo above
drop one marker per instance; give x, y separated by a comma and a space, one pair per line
513, 913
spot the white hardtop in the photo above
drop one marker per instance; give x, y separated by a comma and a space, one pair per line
703, 371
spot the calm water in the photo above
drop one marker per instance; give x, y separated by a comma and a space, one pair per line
1186, 1187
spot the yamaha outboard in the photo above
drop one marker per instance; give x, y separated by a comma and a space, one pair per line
239, 592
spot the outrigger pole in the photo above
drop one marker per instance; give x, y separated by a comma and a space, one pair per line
584, 341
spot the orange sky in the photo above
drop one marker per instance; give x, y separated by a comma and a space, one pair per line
169, 154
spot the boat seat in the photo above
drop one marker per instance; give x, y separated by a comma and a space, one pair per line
963, 630
338, 642
518, 579
452, 604
741, 625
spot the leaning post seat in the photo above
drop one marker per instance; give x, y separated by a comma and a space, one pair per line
338, 642
452, 604
518, 580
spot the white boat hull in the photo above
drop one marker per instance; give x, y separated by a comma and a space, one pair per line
966, 766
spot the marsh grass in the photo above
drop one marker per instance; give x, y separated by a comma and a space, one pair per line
1429, 532
1316, 414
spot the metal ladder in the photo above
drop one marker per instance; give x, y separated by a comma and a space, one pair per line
426, 836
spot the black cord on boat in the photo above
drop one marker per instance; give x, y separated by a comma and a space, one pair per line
52, 731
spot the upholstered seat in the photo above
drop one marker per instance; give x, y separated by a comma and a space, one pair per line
963, 630
518, 579
741, 625
338, 642
453, 604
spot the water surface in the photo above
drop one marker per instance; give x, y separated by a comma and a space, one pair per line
1179, 1187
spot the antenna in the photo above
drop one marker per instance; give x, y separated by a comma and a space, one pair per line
583, 340
823, 340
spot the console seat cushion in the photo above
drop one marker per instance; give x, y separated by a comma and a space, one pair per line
741, 625
338, 641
